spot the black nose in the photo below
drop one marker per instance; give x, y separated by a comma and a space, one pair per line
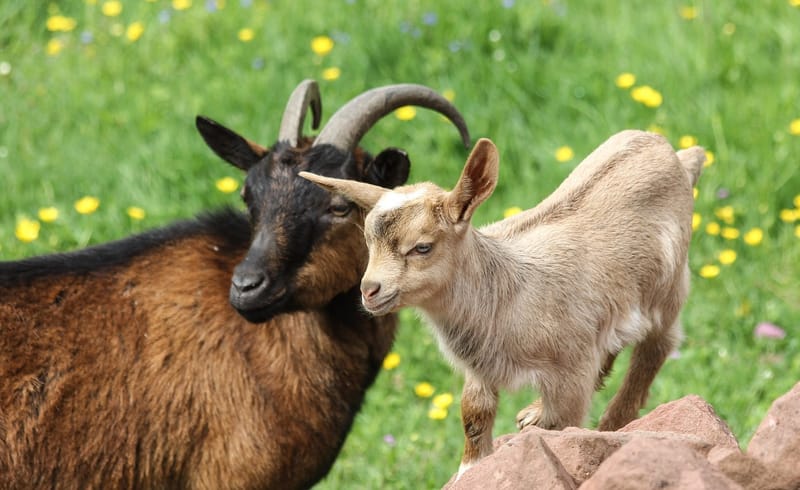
248, 281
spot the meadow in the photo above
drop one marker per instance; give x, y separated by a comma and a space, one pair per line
97, 141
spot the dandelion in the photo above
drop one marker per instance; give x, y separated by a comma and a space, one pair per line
696, 220
54, 46
134, 31
27, 230
60, 23
117, 29
111, 8
655, 128
227, 185
688, 12
754, 236
796, 201
449, 94
424, 390
687, 141
564, 154
5, 68
321, 45
181, 4
766, 330
729, 28
246, 35
794, 3
695, 192
87, 205
726, 214
391, 361
512, 211
713, 228
709, 159
788, 215
729, 233
727, 257
48, 215
331, 73
135, 212
443, 401
709, 271
437, 413
797, 231
794, 126
647, 95
625, 80
406, 113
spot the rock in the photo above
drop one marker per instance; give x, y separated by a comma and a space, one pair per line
776, 442
653, 463
748, 472
689, 415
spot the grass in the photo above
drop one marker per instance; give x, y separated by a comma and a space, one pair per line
91, 112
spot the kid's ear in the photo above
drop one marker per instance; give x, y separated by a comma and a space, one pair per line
477, 181
389, 169
231, 147
363, 194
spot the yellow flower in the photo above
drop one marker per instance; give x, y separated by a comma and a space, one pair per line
511, 211
794, 3
331, 73
687, 141
406, 113
48, 215
136, 213
181, 4
564, 154
91, 2
27, 230
87, 205
655, 128
688, 12
625, 80
60, 23
227, 185
424, 390
647, 95
112, 8
727, 257
695, 192
797, 231
709, 271
754, 236
391, 361
246, 35
321, 45
449, 94
54, 46
696, 220
794, 127
709, 159
796, 201
729, 233
728, 28
443, 401
789, 215
725, 213
712, 228
437, 413
134, 31
743, 309
117, 29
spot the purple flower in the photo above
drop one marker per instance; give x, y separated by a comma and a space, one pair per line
430, 18
508, 3
164, 16
766, 330
211, 5
389, 440
676, 354
723, 193
87, 37
258, 63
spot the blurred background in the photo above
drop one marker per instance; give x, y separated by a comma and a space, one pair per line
97, 141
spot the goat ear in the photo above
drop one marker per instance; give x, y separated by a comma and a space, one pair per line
389, 169
231, 147
363, 194
477, 181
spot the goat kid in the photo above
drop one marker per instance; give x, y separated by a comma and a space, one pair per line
124, 365
547, 297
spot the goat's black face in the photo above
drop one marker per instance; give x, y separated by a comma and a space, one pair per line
307, 244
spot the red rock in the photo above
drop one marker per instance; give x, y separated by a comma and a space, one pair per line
748, 472
776, 442
689, 415
657, 463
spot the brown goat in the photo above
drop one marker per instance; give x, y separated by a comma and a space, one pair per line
124, 365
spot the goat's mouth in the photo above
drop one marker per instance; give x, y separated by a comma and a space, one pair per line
381, 306
262, 308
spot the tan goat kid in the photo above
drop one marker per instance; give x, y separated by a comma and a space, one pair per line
550, 296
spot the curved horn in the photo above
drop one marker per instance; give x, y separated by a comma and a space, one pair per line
346, 127
306, 94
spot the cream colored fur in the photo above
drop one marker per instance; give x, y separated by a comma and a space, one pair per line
549, 296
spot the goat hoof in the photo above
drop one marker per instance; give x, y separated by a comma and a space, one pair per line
530, 415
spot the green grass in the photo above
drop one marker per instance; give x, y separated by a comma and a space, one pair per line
113, 119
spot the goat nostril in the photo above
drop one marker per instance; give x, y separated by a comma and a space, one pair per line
247, 282
370, 289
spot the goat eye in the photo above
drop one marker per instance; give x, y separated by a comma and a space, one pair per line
421, 249
341, 209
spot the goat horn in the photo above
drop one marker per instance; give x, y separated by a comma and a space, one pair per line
346, 127
306, 94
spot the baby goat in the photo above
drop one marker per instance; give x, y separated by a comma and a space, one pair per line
549, 296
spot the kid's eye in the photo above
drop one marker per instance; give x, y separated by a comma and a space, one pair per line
341, 209
422, 249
